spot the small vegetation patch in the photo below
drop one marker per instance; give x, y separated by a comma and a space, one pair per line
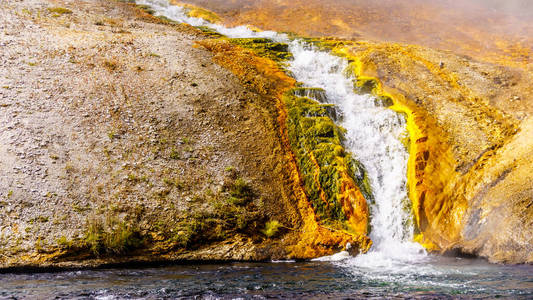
240, 189
59, 10
110, 65
265, 48
65, 243
147, 9
175, 154
111, 236
271, 228
225, 213
209, 32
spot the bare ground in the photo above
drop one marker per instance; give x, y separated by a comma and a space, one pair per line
111, 120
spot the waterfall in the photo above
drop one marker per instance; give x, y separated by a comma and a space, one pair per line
373, 137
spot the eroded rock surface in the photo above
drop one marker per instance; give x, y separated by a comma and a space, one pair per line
471, 143
122, 141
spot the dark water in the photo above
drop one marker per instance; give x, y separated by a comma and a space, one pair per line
450, 278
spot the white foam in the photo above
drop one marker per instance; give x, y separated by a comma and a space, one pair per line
340, 256
373, 136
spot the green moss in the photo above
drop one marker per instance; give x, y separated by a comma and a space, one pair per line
113, 236
59, 10
167, 20
317, 144
383, 101
64, 243
224, 213
271, 228
147, 9
365, 85
80, 209
241, 189
325, 44
317, 94
42, 219
175, 154
265, 48
209, 32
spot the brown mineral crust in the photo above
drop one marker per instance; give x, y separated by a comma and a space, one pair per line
472, 142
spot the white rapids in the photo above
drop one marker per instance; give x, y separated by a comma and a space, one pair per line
373, 137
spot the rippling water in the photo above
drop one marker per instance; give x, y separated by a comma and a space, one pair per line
439, 277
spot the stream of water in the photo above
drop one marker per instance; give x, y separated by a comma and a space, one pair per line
394, 267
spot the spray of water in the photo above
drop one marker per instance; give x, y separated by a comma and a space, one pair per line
373, 136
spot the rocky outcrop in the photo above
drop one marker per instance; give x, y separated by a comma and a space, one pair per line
470, 128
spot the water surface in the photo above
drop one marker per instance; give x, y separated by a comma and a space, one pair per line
439, 277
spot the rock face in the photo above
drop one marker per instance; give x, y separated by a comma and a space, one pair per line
123, 141
471, 145
119, 138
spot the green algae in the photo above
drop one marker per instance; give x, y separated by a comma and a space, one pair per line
326, 44
60, 10
209, 32
317, 143
147, 8
271, 228
264, 47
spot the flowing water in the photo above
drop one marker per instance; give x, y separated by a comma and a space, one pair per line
444, 277
373, 135
394, 267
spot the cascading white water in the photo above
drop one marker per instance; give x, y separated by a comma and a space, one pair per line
373, 136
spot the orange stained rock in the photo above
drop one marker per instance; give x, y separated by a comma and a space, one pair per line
354, 205
494, 31
198, 12
465, 135
426, 178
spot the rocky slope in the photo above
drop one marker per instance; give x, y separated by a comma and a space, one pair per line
123, 141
